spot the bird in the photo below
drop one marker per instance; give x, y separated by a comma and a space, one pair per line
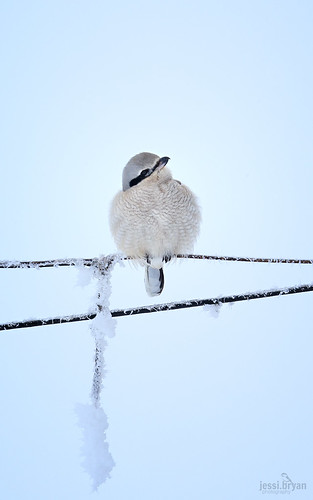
154, 217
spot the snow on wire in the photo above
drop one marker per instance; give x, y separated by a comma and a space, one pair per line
15, 264
169, 306
108, 262
97, 459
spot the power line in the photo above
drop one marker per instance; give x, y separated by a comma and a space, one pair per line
171, 306
35, 264
247, 259
103, 264
6, 264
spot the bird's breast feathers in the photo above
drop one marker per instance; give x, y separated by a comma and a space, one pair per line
155, 217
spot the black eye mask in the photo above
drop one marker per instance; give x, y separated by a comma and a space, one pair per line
143, 175
148, 171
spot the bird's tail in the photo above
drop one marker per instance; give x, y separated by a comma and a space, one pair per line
154, 280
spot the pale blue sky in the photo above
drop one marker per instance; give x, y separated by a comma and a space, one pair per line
198, 407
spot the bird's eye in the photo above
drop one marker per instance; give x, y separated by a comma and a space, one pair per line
143, 175
145, 172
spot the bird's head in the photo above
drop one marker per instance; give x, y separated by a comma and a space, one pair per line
141, 167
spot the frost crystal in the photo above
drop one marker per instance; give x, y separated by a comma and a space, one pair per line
97, 460
213, 310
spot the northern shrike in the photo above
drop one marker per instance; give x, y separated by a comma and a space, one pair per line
154, 217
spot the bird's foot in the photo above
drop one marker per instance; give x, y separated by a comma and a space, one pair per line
148, 259
166, 258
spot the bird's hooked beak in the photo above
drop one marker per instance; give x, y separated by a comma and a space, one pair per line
161, 164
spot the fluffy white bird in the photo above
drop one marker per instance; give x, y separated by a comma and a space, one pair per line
154, 217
